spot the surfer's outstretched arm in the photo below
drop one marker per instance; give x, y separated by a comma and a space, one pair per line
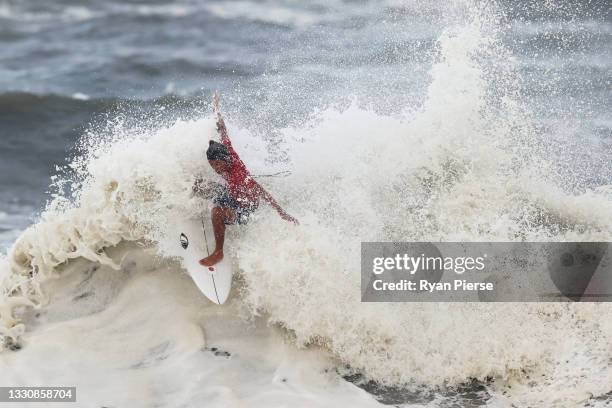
220, 122
268, 198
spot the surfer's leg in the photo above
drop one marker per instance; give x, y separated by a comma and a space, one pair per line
220, 217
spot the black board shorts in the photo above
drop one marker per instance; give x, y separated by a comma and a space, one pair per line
224, 200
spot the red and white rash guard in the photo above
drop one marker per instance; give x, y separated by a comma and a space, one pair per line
240, 185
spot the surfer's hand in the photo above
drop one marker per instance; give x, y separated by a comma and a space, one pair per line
197, 186
289, 218
203, 189
215, 103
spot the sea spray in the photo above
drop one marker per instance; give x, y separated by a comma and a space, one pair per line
462, 166
465, 166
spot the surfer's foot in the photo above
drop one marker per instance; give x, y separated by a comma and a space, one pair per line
215, 257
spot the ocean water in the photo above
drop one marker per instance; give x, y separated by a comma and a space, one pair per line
392, 120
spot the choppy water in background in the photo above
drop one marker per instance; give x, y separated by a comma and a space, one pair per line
63, 63
470, 120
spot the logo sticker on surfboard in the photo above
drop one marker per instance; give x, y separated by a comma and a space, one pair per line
184, 241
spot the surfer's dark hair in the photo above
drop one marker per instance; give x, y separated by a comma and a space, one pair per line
218, 151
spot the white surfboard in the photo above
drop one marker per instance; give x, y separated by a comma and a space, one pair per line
195, 240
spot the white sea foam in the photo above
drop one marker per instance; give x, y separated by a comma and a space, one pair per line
19, 13
274, 14
80, 96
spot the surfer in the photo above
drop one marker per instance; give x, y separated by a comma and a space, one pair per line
235, 201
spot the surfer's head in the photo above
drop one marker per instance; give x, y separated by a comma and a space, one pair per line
218, 156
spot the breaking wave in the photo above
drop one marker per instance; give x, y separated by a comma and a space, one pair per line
466, 165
